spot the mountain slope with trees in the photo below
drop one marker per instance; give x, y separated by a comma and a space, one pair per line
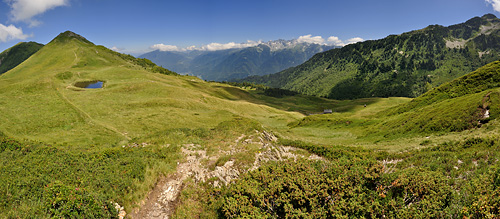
15, 55
405, 65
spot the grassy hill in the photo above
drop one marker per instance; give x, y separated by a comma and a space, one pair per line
72, 137
133, 102
13, 56
67, 151
405, 65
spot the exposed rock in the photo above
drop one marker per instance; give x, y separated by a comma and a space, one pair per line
456, 43
390, 165
163, 199
121, 211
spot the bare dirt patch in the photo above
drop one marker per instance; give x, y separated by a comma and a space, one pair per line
198, 166
455, 43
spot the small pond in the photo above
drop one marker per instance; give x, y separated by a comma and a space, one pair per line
89, 84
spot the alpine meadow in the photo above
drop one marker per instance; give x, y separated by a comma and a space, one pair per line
407, 126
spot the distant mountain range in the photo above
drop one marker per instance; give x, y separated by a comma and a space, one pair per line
221, 65
406, 65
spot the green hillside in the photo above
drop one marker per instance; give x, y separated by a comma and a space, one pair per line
456, 106
213, 150
453, 170
46, 84
485, 78
405, 65
13, 56
91, 133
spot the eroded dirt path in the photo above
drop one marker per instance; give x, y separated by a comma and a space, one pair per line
163, 199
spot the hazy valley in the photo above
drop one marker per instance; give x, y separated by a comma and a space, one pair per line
230, 64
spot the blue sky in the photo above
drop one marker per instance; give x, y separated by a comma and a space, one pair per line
137, 26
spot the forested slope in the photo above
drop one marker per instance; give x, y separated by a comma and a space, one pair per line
13, 56
405, 65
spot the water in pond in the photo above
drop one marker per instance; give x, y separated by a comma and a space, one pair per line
89, 84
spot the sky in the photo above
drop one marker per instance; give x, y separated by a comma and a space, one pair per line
139, 26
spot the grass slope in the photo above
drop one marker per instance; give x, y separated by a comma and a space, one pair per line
455, 107
82, 143
134, 102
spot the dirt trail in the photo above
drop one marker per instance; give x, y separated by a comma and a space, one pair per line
163, 199
484, 112
85, 116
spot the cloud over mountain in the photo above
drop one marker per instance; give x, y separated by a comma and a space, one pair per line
11, 32
311, 39
333, 40
162, 47
208, 47
337, 42
355, 40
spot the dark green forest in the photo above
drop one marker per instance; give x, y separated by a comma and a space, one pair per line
14, 56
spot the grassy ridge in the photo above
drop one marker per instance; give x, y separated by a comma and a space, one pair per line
133, 102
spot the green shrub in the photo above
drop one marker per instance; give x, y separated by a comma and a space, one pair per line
64, 201
9, 144
304, 190
39, 181
417, 193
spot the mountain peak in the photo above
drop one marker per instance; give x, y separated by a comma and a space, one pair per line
489, 17
69, 35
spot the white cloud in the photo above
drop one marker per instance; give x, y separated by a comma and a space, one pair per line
355, 40
163, 47
116, 49
337, 42
231, 45
11, 32
25, 10
208, 47
495, 4
310, 39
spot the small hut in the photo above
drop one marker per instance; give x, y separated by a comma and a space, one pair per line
327, 111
